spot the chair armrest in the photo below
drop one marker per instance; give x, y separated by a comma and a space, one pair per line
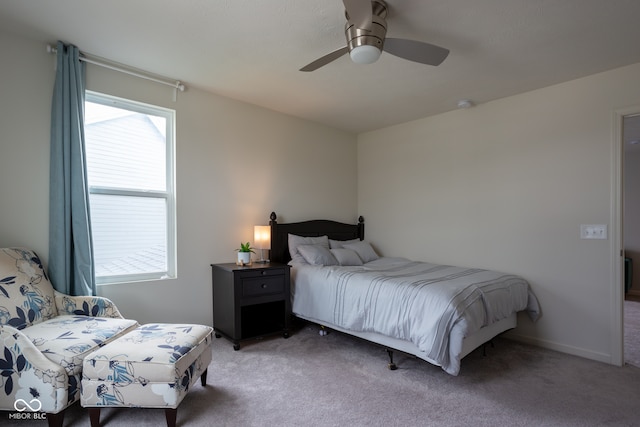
24, 368
86, 306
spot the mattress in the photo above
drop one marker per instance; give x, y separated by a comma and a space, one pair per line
430, 307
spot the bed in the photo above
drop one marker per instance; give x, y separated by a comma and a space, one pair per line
438, 313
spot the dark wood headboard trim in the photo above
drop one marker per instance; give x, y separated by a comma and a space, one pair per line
313, 228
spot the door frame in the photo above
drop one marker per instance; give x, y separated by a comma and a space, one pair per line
617, 236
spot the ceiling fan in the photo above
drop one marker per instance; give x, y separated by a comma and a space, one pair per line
365, 31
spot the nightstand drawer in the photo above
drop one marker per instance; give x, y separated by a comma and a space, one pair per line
260, 273
265, 285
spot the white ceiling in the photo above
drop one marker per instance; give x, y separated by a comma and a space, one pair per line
251, 50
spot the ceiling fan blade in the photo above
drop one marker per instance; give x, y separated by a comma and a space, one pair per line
424, 53
325, 59
359, 13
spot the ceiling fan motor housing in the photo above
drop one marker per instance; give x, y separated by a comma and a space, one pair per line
369, 37
366, 31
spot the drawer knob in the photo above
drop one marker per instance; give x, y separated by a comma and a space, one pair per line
264, 286
263, 272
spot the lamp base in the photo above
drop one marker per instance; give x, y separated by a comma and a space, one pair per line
262, 260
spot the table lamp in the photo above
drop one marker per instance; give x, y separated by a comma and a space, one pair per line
262, 240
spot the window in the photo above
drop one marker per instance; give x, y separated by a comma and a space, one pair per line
130, 171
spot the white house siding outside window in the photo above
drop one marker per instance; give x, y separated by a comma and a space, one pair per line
130, 171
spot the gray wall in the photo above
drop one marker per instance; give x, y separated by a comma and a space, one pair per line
506, 185
235, 163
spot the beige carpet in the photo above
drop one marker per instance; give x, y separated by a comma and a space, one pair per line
632, 333
336, 380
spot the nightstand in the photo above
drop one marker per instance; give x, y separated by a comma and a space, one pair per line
250, 301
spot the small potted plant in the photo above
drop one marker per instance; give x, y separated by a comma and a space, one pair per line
244, 253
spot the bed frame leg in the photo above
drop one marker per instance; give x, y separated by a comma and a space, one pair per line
484, 348
392, 366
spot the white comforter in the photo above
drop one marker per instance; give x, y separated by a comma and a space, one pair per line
412, 301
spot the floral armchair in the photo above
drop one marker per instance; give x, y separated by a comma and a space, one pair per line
45, 335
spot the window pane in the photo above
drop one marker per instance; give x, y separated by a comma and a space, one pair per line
130, 172
129, 234
125, 149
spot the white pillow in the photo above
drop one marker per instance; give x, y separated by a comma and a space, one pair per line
295, 241
364, 251
346, 256
317, 255
337, 244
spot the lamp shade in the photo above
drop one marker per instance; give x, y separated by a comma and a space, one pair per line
262, 236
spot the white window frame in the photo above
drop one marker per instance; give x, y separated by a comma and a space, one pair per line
169, 195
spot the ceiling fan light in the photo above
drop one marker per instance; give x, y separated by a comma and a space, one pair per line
365, 54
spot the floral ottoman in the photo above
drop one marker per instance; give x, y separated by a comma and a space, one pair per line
150, 367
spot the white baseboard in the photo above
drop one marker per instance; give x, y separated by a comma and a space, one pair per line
562, 348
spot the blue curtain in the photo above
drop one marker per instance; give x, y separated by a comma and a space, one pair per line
71, 268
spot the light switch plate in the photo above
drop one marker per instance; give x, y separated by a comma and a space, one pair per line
593, 231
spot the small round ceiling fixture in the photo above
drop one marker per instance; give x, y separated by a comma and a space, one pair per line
465, 103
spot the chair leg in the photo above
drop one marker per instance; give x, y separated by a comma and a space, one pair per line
203, 378
94, 417
171, 415
55, 420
